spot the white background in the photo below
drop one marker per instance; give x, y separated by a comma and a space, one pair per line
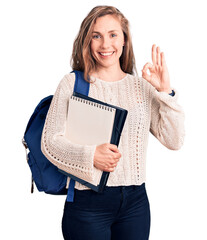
36, 44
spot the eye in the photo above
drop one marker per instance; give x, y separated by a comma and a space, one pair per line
96, 36
113, 35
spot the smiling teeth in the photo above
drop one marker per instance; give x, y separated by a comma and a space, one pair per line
106, 54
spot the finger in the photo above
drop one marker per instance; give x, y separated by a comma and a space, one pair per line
154, 54
147, 66
114, 165
109, 169
158, 56
145, 75
116, 156
163, 62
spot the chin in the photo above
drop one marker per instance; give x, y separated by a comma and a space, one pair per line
107, 63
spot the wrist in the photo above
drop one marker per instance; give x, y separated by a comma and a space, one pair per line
167, 90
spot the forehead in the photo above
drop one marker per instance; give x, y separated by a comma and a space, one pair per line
107, 23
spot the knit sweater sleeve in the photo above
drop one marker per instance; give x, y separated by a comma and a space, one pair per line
167, 119
73, 158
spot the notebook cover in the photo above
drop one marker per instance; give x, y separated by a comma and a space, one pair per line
119, 120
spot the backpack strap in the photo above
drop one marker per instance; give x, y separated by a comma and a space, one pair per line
70, 194
80, 86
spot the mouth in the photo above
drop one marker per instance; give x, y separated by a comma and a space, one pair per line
106, 54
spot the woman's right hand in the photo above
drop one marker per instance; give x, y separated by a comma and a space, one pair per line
106, 157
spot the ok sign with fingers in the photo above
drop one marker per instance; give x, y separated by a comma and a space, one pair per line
159, 76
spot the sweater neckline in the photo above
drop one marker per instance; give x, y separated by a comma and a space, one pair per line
109, 82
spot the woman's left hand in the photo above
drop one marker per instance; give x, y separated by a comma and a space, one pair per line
159, 76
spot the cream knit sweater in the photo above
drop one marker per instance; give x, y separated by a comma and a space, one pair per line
148, 110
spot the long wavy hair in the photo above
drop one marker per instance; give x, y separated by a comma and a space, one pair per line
82, 58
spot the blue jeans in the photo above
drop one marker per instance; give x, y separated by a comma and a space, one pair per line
118, 213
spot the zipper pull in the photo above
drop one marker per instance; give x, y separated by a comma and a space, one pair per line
32, 185
25, 147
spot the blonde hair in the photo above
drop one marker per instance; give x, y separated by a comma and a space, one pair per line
82, 58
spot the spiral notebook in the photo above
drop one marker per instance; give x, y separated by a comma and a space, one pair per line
93, 122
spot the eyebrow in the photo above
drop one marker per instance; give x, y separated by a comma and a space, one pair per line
108, 31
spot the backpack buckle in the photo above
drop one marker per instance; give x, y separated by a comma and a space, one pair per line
24, 143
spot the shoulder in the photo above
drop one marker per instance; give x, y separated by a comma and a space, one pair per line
67, 82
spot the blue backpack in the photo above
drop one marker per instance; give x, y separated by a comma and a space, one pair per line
46, 176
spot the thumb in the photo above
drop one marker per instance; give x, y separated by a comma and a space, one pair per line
113, 147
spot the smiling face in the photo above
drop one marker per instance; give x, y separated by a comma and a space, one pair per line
107, 41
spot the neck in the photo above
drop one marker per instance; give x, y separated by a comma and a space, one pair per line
109, 74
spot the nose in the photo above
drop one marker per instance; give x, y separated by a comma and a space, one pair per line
105, 42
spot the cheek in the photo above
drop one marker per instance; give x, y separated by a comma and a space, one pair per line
93, 46
119, 46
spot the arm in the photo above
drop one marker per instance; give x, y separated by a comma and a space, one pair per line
74, 158
167, 119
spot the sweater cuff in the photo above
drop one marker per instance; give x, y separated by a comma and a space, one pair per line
166, 98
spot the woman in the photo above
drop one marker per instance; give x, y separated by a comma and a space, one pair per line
103, 50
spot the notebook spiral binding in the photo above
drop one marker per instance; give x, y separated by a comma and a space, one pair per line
107, 108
